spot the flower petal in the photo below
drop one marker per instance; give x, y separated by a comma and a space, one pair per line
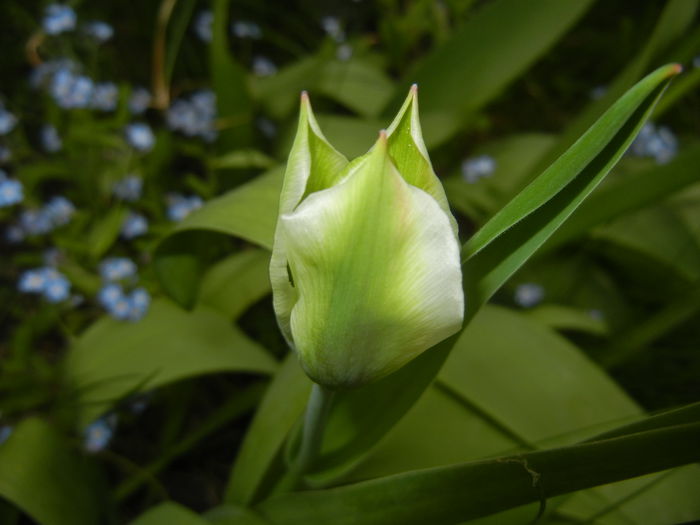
313, 165
408, 151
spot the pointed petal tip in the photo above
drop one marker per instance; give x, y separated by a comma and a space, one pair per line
414, 88
677, 68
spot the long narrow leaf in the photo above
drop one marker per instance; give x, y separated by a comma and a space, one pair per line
461, 492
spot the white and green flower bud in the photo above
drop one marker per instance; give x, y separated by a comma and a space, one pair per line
365, 267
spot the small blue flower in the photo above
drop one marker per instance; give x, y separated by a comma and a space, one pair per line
194, 117
121, 309
129, 188
139, 100
659, 143
5, 433
109, 294
50, 141
528, 295
7, 121
117, 268
58, 18
57, 289
11, 192
139, 301
331, 25
476, 168
100, 31
97, 435
59, 210
35, 222
180, 206
80, 93
104, 96
47, 281
140, 136
263, 67
70, 90
246, 29
32, 281
134, 226
203, 25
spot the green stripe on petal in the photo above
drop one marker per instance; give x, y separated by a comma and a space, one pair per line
376, 268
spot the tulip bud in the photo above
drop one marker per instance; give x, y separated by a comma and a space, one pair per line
365, 267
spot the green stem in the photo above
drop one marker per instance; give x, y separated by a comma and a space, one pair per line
311, 438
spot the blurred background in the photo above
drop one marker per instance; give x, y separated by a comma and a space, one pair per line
122, 120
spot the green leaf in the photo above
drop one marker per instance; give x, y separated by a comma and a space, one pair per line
643, 333
235, 283
560, 317
490, 486
629, 194
515, 157
675, 19
244, 158
498, 249
177, 29
249, 212
169, 513
657, 236
113, 359
105, 232
490, 50
277, 414
350, 135
41, 475
233, 515
357, 84
526, 385
230, 84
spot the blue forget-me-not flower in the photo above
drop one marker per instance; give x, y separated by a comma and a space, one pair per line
134, 226
180, 206
140, 136
476, 168
7, 121
528, 295
117, 268
54, 286
11, 191
58, 18
100, 31
49, 138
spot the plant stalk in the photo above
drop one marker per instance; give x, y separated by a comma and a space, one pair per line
315, 419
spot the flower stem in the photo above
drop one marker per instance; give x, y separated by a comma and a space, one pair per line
315, 418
